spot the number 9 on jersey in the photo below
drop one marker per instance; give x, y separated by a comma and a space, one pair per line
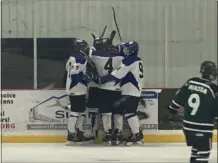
194, 103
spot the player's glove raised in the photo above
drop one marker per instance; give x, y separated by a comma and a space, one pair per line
88, 77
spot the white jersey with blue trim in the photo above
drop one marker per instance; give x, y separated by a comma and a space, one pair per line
130, 72
106, 62
76, 69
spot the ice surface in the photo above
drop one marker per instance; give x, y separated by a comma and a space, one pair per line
61, 153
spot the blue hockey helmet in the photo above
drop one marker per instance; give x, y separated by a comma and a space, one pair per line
130, 48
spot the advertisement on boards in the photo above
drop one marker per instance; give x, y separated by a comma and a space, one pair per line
34, 110
7, 122
150, 98
44, 110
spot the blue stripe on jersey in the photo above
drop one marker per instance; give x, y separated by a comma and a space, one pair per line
117, 81
77, 78
129, 78
109, 78
130, 60
78, 57
105, 53
84, 82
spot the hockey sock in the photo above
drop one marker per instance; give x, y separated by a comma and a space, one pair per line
72, 122
193, 155
118, 122
95, 124
80, 120
106, 118
133, 122
203, 156
94, 121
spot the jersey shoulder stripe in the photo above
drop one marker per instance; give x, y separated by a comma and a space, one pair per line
78, 57
203, 85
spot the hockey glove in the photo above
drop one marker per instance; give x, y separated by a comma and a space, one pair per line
142, 115
88, 77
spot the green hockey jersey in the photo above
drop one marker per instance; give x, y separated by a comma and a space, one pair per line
199, 99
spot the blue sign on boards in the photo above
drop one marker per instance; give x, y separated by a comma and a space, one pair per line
149, 94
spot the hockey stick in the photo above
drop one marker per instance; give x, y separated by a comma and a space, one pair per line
125, 98
88, 59
101, 35
90, 62
115, 21
103, 32
113, 33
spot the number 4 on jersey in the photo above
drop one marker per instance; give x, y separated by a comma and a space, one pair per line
109, 65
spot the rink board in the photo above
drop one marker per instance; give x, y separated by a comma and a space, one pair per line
159, 137
38, 116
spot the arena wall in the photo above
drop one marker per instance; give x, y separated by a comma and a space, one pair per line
38, 116
174, 35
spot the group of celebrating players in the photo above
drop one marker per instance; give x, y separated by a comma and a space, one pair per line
112, 76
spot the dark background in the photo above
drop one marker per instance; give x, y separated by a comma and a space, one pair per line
17, 62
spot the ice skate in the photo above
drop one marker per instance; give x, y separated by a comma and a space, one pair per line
108, 137
117, 137
134, 139
71, 139
80, 138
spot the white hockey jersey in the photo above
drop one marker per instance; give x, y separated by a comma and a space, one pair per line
106, 62
130, 75
76, 70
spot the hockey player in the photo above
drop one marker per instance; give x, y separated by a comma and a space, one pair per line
76, 88
107, 58
131, 78
198, 97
